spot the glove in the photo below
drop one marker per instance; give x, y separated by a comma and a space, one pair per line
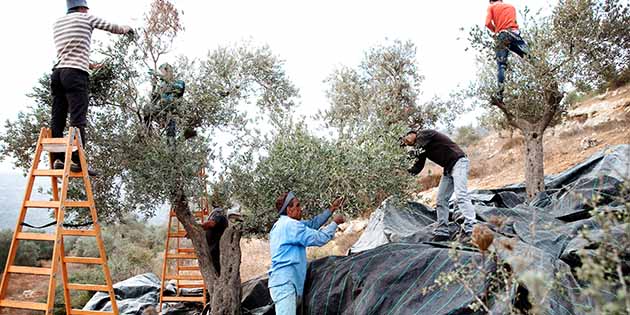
127, 29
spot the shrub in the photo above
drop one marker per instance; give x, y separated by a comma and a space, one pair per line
466, 135
365, 171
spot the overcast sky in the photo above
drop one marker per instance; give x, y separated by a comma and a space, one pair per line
313, 37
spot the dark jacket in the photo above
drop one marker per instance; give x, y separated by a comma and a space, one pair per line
437, 147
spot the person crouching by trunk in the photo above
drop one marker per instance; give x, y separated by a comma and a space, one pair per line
437, 147
288, 240
215, 226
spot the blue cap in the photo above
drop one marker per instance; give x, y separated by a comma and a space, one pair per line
76, 3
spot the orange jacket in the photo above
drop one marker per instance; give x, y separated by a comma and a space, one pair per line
501, 16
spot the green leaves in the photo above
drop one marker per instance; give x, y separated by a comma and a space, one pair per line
318, 170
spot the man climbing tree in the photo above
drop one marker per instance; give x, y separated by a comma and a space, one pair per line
582, 39
165, 98
437, 147
69, 80
501, 20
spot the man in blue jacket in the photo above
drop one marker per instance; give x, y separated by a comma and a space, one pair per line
288, 239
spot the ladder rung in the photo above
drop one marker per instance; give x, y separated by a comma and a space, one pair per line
30, 270
77, 204
188, 268
84, 312
177, 234
180, 256
23, 305
83, 260
88, 287
63, 140
183, 299
55, 173
42, 204
79, 232
186, 250
183, 277
35, 236
199, 285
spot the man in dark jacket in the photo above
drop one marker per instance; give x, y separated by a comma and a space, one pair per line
437, 147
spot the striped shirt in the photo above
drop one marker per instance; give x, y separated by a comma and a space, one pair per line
73, 35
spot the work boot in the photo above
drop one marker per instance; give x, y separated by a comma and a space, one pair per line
58, 164
75, 167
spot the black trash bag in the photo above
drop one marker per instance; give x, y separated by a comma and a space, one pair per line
394, 221
388, 280
255, 297
136, 294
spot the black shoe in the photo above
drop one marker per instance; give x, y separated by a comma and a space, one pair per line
440, 238
58, 165
74, 167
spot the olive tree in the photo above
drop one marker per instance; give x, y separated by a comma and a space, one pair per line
535, 86
141, 168
371, 105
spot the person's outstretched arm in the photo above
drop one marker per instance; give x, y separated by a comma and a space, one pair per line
101, 24
319, 220
311, 237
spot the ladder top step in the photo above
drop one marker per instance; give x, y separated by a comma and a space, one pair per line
63, 140
56, 147
42, 204
186, 250
35, 236
83, 260
30, 270
199, 299
23, 305
88, 287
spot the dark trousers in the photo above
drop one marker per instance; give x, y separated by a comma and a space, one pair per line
70, 96
508, 41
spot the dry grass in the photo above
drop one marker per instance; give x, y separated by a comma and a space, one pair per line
339, 246
255, 258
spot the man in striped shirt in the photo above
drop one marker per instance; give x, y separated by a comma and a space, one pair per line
70, 77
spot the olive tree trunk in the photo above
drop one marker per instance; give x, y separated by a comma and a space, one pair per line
534, 163
224, 289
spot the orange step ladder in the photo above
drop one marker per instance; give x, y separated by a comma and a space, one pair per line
186, 274
59, 204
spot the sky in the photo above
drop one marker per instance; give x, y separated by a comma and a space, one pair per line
313, 38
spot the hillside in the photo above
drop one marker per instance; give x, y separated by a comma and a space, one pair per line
589, 126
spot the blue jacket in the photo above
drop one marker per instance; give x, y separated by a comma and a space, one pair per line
288, 240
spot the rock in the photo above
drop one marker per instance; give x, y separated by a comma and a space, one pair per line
27, 294
589, 142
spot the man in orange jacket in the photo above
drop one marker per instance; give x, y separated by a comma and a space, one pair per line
501, 20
